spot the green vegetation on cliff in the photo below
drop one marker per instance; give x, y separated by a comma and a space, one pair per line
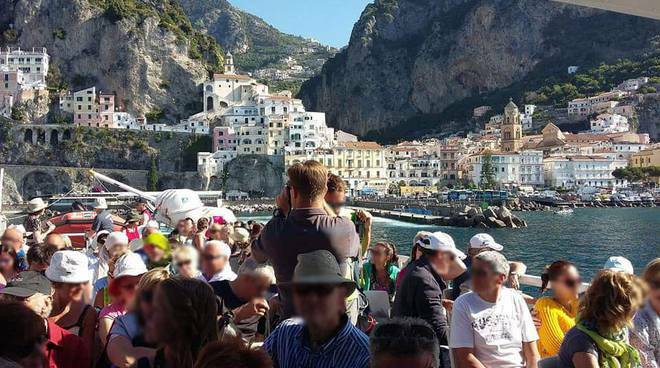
174, 19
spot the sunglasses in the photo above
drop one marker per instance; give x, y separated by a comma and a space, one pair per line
183, 263
320, 290
571, 283
208, 257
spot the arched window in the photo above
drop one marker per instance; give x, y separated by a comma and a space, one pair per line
209, 103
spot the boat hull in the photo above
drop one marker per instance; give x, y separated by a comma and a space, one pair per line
75, 224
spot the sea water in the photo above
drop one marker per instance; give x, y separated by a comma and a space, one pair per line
587, 237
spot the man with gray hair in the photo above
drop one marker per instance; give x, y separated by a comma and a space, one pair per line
491, 326
404, 342
242, 302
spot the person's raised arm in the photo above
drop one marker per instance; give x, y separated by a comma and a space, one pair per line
464, 358
123, 354
531, 354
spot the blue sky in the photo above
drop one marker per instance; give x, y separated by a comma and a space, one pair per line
329, 21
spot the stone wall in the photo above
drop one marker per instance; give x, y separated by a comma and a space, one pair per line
261, 176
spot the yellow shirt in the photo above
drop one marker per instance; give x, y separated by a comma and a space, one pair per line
555, 322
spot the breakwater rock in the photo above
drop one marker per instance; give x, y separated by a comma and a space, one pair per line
489, 218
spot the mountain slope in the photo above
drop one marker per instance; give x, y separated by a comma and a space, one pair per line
255, 43
146, 51
418, 64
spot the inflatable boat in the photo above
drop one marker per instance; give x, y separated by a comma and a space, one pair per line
75, 224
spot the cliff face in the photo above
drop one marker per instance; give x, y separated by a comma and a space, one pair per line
649, 116
141, 50
408, 60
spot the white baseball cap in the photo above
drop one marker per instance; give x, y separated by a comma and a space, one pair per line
225, 250
484, 240
69, 267
130, 264
115, 238
100, 203
442, 242
620, 264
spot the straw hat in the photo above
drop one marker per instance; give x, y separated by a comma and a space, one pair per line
100, 203
240, 235
319, 267
68, 266
130, 264
36, 205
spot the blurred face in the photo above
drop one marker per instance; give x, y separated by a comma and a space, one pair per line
69, 292
483, 277
215, 233
127, 288
6, 263
257, 286
55, 240
186, 267
181, 227
146, 301
385, 360
155, 254
336, 200
41, 304
567, 284
12, 238
140, 207
212, 260
117, 250
379, 254
654, 293
159, 324
225, 233
440, 262
319, 304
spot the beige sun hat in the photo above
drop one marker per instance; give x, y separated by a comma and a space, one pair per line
36, 205
69, 267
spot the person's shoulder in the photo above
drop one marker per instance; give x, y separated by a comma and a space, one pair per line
578, 340
219, 287
545, 302
359, 337
464, 299
291, 324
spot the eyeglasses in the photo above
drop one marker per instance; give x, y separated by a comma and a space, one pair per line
183, 263
318, 289
210, 257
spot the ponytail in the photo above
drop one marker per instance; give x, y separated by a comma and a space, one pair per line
545, 279
552, 272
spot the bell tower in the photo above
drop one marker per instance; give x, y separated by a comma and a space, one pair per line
229, 64
511, 129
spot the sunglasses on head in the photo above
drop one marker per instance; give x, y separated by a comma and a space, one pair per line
321, 290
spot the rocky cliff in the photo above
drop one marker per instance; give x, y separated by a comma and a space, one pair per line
255, 43
648, 114
145, 51
410, 62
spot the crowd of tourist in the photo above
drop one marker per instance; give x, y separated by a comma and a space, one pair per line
292, 293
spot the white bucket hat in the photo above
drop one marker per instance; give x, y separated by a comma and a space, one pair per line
68, 266
240, 235
130, 264
115, 238
100, 203
441, 242
484, 240
36, 205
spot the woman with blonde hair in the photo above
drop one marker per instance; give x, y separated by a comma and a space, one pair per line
185, 262
645, 335
598, 340
126, 344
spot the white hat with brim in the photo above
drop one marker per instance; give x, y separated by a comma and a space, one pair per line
483, 240
100, 203
441, 242
36, 205
130, 264
69, 267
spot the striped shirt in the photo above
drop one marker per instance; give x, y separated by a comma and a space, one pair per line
289, 347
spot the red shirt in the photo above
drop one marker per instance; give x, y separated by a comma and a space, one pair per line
66, 350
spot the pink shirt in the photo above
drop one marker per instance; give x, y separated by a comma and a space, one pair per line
112, 311
132, 234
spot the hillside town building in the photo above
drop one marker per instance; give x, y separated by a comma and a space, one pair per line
610, 123
22, 76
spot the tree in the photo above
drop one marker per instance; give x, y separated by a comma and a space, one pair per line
152, 176
487, 172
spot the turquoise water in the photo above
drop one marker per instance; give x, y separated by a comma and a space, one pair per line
587, 237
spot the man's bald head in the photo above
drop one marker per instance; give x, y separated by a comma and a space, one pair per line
13, 237
56, 240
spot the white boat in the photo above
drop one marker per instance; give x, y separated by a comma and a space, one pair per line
564, 211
